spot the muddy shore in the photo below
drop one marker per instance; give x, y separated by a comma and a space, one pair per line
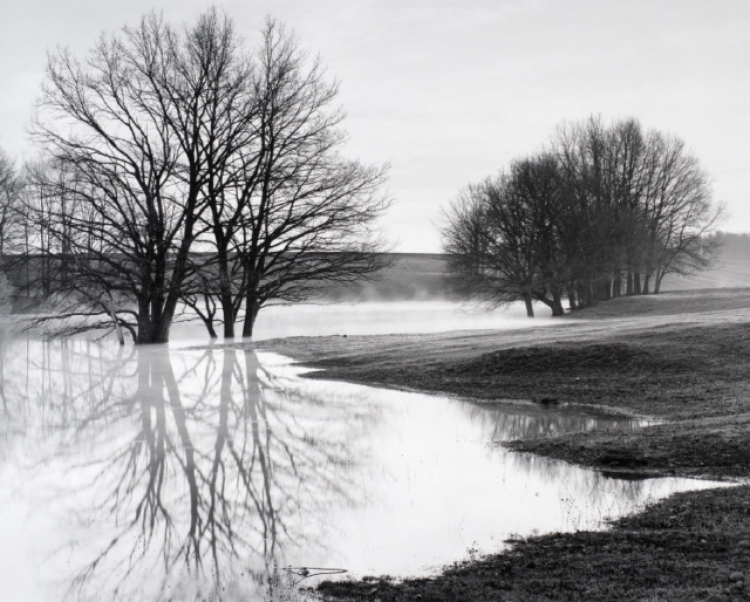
683, 358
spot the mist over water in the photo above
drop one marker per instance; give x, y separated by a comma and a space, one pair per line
175, 474
372, 318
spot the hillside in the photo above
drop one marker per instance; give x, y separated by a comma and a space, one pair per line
420, 276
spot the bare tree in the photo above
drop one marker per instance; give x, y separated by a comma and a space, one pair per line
638, 204
182, 167
488, 262
127, 125
11, 228
679, 214
605, 202
502, 241
288, 215
10, 222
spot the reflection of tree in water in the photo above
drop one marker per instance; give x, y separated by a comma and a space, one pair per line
55, 388
213, 492
508, 422
603, 497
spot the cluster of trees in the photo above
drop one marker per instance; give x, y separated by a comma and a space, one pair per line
180, 168
603, 211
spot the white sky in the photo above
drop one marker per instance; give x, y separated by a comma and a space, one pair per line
450, 91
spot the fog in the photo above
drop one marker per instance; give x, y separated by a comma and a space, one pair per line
371, 318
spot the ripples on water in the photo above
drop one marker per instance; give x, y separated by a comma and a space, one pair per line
158, 474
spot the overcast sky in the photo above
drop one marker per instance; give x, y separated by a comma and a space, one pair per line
450, 91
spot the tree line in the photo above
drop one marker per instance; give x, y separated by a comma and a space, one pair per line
178, 167
603, 211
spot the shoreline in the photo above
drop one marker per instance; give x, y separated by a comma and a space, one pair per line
673, 358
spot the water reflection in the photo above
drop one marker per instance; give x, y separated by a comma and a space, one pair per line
170, 476
176, 474
507, 422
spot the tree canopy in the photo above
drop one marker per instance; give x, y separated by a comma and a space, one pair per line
603, 211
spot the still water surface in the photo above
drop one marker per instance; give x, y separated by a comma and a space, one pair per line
170, 473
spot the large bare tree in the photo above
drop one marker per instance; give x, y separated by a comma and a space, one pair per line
127, 125
288, 214
193, 169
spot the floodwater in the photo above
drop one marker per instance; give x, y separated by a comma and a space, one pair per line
218, 474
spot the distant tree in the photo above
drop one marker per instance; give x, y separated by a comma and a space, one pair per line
502, 241
11, 222
638, 206
601, 181
605, 208
679, 213
484, 265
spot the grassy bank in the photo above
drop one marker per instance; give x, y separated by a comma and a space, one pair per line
683, 358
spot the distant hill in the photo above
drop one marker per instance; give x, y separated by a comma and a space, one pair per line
732, 269
420, 276
410, 277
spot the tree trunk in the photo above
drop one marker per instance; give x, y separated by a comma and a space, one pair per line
572, 298
589, 292
657, 282
583, 295
252, 306
617, 286
227, 308
646, 283
637, 283
118, 328
210, 328
529, 305
152, 332
557, 307
225, 287
629, 290
152, 326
